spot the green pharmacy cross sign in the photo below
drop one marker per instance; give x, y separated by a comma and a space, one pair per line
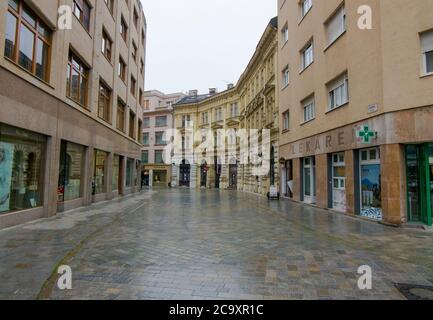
365, 134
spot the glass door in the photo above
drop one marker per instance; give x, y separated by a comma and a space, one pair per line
430, 183
338, 182
309, 180
419, 174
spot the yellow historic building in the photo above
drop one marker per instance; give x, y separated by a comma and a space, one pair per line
251, 104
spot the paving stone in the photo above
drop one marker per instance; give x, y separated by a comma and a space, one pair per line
184, 244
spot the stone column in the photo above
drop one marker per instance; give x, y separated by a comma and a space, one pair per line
51, 176
109, 176
88, 176
297, 179
393, 183
322, 180
350, 181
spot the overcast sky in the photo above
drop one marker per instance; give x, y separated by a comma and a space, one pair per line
200, 44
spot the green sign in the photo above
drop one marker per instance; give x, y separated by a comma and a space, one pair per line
366, 135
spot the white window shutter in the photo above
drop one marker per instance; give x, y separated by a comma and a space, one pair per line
427, 41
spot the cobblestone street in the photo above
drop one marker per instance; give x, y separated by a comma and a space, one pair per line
182, 244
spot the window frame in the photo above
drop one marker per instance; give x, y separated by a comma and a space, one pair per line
37, 37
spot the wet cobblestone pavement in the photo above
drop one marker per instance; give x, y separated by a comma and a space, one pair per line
182, 244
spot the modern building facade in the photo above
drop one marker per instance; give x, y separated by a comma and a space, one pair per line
157, 120
70, 104
251, 104
356, 107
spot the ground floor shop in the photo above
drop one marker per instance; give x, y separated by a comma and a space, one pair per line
232, 175
156, 175
50, 164
375, 169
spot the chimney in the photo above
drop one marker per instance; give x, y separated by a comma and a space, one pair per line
230, 86
213, 91
193, 93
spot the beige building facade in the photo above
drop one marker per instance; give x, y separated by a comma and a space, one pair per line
356, 107
70, 104
157, 121
219, 117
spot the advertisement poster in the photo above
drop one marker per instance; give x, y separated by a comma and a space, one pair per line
6, 161
371, 192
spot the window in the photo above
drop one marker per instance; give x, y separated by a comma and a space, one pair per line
139, 129
146, 122
286, 120
121, 69
307, 55
22, 169
107, 45
204, 118
159, 138
305, 7
70, 172
135, 18
145, 156
134, 51
28, 40
146, 104
219, 114
140, 97
286, 77
104, 102
146, 138
370, 183
120, 122
427, 51
131, 124
309, 110
133, 86
142, 66
186, 121
158, 157
161, 121
336, 25
81, 10
234, 110
129, 172
285, 34
99, 181
109, 4
338, 92
77, 80
124, 29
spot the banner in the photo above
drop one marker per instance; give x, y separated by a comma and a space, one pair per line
6, 161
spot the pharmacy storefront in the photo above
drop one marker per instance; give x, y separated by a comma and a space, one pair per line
372, 169
419, 176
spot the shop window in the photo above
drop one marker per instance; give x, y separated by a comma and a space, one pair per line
99, 181
370, 182
21, 169
116, 175
129, 172
70, 172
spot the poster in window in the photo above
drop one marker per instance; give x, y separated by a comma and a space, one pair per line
371, 192
6, 161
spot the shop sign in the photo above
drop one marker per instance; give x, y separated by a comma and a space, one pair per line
365, 135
